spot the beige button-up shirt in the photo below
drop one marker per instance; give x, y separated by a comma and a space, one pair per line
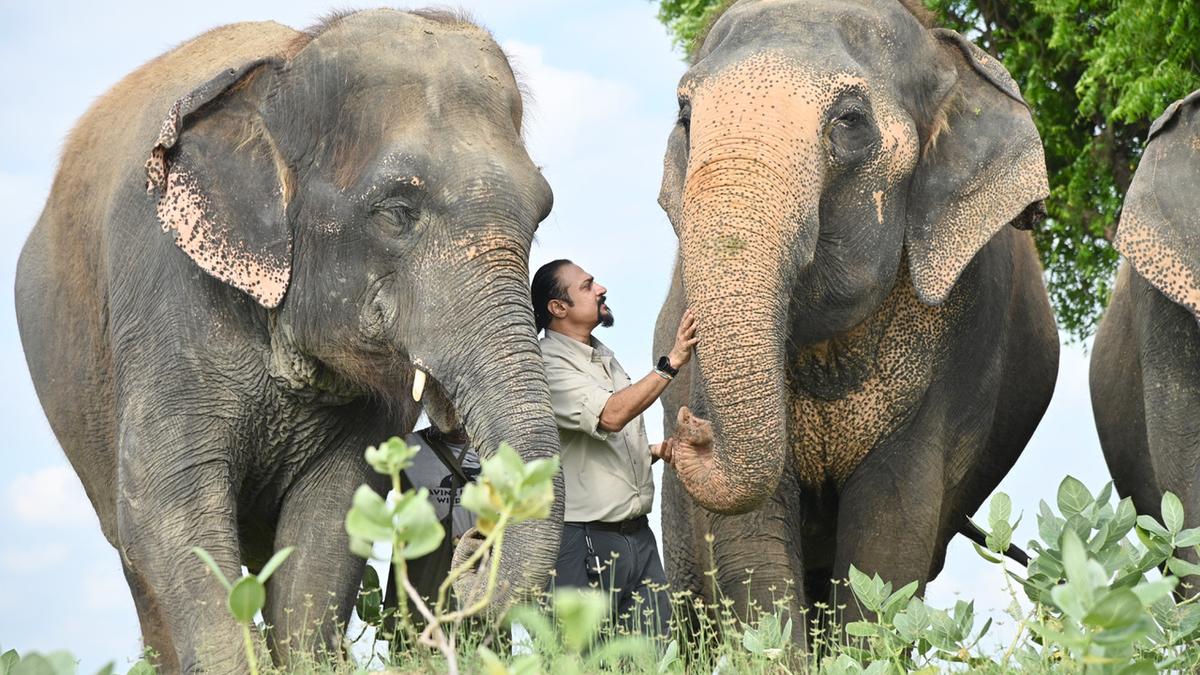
607, 475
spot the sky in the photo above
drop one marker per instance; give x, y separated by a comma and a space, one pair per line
602, 75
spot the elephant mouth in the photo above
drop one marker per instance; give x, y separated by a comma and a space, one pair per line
428, 391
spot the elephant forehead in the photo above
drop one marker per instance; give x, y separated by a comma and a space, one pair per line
767, 90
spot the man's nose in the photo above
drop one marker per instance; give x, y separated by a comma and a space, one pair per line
602, 289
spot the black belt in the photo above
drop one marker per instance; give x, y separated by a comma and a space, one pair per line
623, 526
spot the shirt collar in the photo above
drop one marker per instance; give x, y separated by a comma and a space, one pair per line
593, 352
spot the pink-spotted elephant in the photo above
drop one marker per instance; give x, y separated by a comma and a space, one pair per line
1145, 368
849, 185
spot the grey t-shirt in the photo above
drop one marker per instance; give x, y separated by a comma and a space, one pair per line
429, 472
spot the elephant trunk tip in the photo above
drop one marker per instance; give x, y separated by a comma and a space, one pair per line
710, 476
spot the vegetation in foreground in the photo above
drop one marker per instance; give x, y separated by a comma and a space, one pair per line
1102, 594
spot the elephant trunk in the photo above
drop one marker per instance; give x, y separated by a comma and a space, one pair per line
486, 366
748, 225
738, 453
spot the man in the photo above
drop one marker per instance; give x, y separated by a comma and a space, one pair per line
605, 455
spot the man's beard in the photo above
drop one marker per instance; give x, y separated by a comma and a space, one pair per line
606, 315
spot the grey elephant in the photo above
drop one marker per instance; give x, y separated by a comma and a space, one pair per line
258, 249
1145, 367
847, 183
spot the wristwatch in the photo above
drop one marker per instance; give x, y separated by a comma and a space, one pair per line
664, 365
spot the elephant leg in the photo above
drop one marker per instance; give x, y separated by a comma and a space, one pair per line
176, 495
310, 597
889, 515
155, 637
757, 558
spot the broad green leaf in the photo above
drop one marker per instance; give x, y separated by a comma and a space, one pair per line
1172, 512
7, 660
1151, 526
370, 598
391, 456
1001, 509
1182, 568
1123, 520
986, 554
361, 547
416, 525
1074, 557
1073, 497
579, 615
212, 566
864, 589
900, 598
669, 658
1105, 493
1050, 526
860, 628
1116, 609
1000, 537
1144, 667
274, 563
751, 641
1187, 538
108, 669
246, 598
370, 517
54, 663
1153, 591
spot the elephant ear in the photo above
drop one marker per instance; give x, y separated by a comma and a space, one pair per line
982, 167
670, 194
222, 186
1159, 232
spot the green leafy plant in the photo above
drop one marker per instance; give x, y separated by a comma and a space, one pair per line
508, 491
247, 595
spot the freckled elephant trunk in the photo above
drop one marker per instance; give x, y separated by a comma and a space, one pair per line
741, 363
748, 224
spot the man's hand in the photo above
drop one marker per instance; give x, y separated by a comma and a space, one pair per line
685, 340
662, 450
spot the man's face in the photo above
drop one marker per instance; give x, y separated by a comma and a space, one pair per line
587, 306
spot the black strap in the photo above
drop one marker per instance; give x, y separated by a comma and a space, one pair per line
446, 455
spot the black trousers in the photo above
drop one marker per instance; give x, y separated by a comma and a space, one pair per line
630, 569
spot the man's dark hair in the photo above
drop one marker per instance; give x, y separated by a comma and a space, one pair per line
547, 286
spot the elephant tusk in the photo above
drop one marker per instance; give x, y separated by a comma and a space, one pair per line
418, 384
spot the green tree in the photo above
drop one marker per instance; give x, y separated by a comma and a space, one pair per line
1095, 73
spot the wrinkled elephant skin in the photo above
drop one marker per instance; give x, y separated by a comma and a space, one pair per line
877, 344
253, 245
1145, 368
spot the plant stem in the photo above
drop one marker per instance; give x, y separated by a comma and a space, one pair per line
492, 574
488, 543
246, 639
432, 635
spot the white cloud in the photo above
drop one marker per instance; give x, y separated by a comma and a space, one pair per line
36, 559
564, 103
50, 496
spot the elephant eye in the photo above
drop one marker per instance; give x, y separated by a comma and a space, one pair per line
685, 116
851, 136
850, 118
396, 216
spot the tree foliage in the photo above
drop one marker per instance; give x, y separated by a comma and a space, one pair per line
1095, 73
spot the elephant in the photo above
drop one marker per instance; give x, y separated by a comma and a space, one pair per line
260, 251
1144, 373
844, 407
